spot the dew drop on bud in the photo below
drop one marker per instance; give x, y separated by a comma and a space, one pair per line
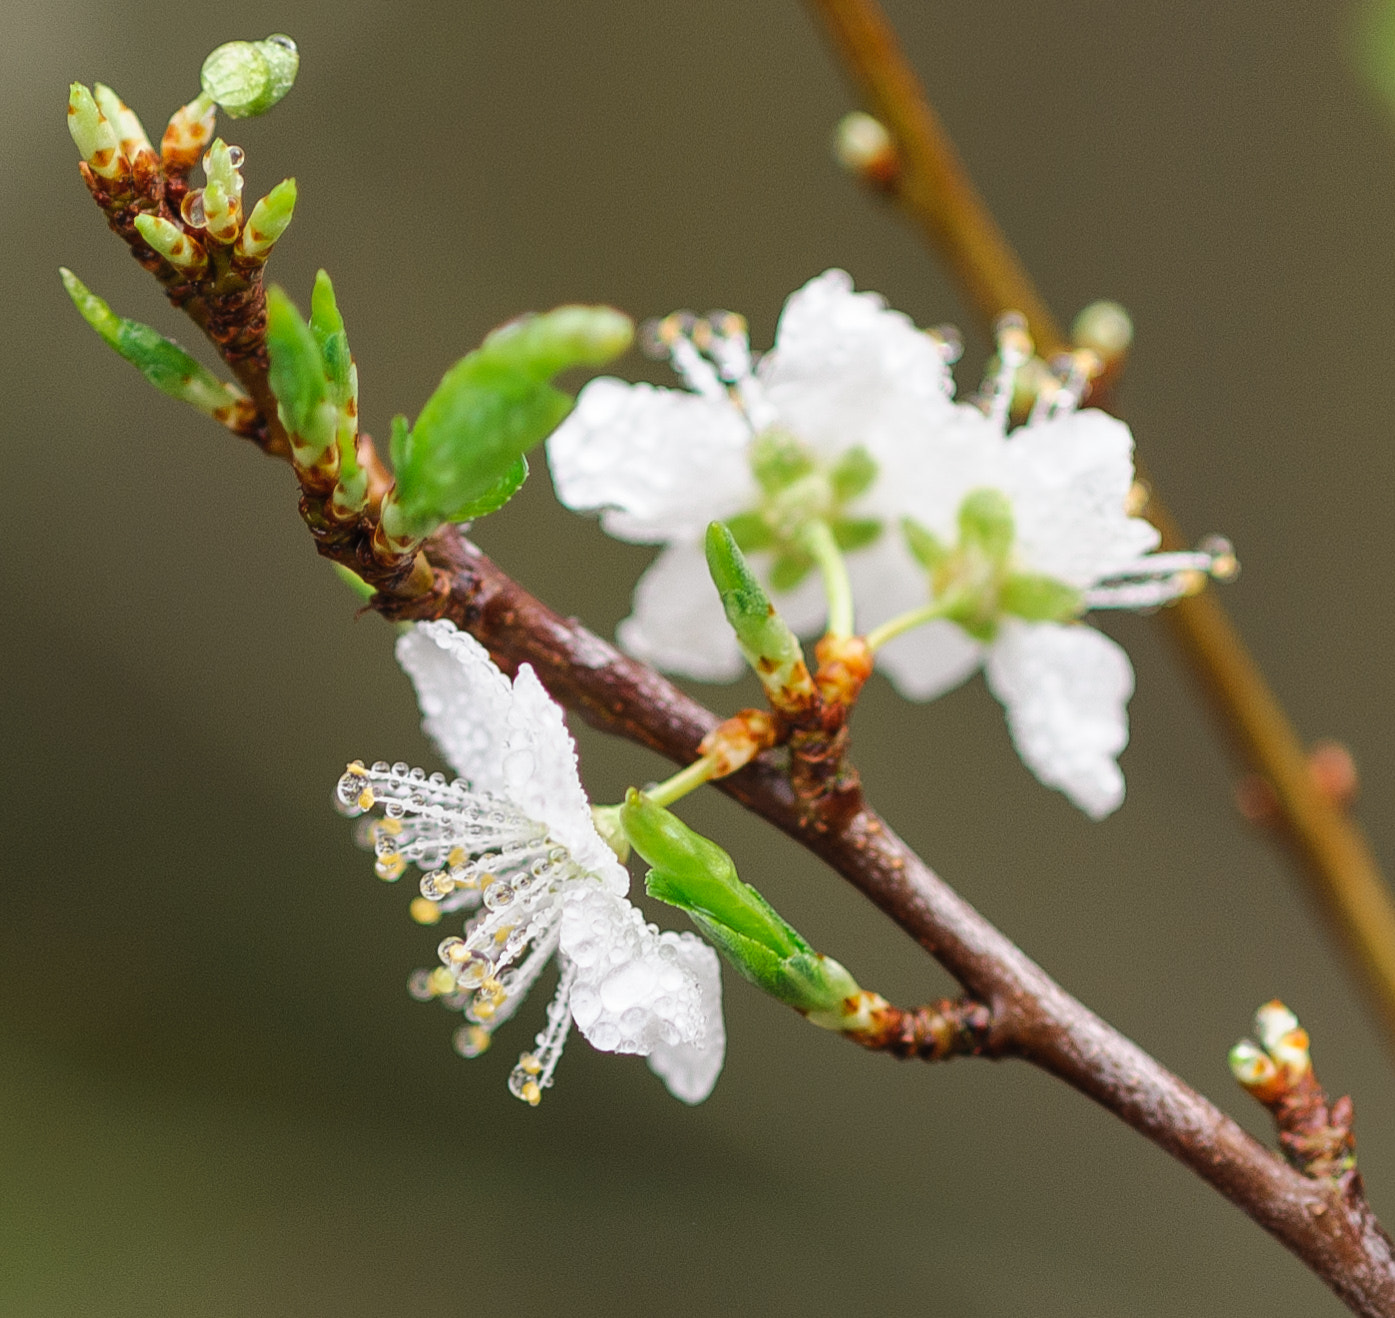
191, 209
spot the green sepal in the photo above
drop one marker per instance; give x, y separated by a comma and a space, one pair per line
1039, 598
789, 569
398, 433
297, 377
926, 547
986, 524
491, 407
165, 364
851, 533
853, 474
693, 873
778, 460
767, 642
751, 532
497, 495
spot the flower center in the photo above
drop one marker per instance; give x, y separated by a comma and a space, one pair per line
798, 491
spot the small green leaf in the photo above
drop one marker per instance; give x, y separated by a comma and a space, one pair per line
693, 873
855, 532
1039, 598
926, 547
853, 474
166, 365
327, 325
496, 497
751, 532
491, 408
778, 460
297, 378
986, 525
269, 219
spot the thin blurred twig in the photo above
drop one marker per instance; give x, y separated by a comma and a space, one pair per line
934, 188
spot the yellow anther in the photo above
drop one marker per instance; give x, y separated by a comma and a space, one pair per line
486, 879
530, 1093
366, 799
484, 1010
529, 1063
389, 868
441, 982
458, 951
1191, 583
424, 911
456, 858
702, 334
492, 988
1136, 500
387, 828
356, 768
501, 936
1225, 567
731, 323
478, 1038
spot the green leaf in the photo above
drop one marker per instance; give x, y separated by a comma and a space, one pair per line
1039, 598
853, 474
327, 326
855, 532
491, 407
926, 547
985, 524
297, 377
166, 365
693, 873
497, 496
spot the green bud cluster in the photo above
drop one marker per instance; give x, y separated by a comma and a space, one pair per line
693, 873
313, 376
464, 457
975, 581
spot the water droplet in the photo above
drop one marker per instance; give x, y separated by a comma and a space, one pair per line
191, 209
236, 155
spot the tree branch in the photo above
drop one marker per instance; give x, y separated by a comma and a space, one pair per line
1016, 1009
933, 187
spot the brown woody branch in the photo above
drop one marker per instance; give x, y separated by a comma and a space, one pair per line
1015, 1008
933, 187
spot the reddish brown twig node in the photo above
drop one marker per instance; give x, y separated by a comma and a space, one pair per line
950, 1027
1333, 772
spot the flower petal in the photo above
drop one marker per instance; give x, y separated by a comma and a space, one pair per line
659, 464
1068, 479
509, 740
845, 370
691, 1069
930, 660
633, 990
678, 624
1066, 691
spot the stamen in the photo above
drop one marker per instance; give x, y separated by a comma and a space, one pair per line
534, 1071
672, 337
1014, 351
1158, 579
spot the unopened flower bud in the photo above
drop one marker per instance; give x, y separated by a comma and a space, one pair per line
247, 78
180, 249
269, 219
95, 135
865, 149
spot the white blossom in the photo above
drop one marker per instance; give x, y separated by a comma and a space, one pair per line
847, 377
512, 841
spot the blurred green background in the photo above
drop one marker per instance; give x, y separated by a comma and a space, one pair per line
216, 1096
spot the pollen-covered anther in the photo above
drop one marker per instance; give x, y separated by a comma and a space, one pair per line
472, 1040
424, 911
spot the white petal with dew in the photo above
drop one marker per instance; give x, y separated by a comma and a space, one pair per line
658, 464
1066, 690
1068, 479
678, 624
845, 370
690, 1070
509, 740
930, 660
633, 991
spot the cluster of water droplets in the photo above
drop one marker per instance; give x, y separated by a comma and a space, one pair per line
194, 209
